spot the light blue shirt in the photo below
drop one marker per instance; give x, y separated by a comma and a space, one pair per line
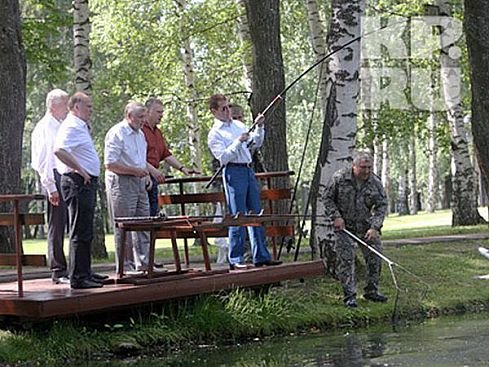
223, 141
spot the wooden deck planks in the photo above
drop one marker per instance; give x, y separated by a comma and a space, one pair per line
42, 299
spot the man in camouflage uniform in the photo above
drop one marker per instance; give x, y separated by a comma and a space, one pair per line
355, 199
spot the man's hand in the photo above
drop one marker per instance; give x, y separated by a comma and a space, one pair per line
260, 119
85, 175
53, 198
141, 172
160, 177
244, 137
372, 234
339, 224
190, 171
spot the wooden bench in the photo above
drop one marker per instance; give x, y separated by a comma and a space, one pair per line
183, 199
17, 219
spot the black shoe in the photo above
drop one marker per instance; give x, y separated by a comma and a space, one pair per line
86, 284
351, 303
97, 276
375, 297
61, 280
238, 266
268, 263
158, 265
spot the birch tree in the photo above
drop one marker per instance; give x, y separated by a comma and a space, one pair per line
464, 186
318, 43
186, 55
340, 123
245, 40
83, 83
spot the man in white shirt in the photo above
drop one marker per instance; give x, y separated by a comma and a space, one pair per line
230, 142
79, 165
43, 162
127, 179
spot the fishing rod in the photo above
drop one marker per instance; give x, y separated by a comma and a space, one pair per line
281, 95
391, 264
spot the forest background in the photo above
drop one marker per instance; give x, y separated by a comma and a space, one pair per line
184, 51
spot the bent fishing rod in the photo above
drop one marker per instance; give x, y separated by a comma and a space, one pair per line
282, 94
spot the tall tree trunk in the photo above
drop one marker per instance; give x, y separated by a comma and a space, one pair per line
432, 164
386, 174
268, 80
12, 111
318, 42
83, 83
186, 56
464, 193
245, 39
402, 200
476, 26
338, 140
413, 187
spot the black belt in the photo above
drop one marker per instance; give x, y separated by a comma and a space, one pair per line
232, 164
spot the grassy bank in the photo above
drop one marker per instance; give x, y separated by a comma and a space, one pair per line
448, 269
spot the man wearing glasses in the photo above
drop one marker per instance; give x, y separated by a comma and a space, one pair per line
230, 143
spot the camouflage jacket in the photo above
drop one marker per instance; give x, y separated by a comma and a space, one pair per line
362, 206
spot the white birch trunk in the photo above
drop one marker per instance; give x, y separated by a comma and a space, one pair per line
318, 42
432, 162
413, 187
385, 176
186, 54
341, 109
245, 39
464, 191
81, 37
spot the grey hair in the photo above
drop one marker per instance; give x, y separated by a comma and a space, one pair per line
132, 107
362, 156
55, 96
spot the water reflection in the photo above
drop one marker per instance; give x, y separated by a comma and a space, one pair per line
443, 342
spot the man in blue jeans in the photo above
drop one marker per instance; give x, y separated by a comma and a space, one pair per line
230, 142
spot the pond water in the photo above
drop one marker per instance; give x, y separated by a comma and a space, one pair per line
447, 341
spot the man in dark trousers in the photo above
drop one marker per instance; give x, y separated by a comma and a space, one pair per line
43, 162
79, 165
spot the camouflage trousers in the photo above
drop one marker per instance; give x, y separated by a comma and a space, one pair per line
345, 249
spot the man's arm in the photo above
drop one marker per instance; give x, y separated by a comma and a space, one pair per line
68, 159
175, 163
123, 169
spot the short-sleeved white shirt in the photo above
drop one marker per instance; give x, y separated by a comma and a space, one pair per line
125, 145
74, 137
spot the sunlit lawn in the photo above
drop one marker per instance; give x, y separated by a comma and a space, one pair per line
395, 227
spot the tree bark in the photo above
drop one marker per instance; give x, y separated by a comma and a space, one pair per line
318, 42
464, 193
269, 80
83, 83
476, 26
432, 164
245, 39
413, 187
340, 123
12, 111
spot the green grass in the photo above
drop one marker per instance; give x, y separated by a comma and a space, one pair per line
443, 283
395, 227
